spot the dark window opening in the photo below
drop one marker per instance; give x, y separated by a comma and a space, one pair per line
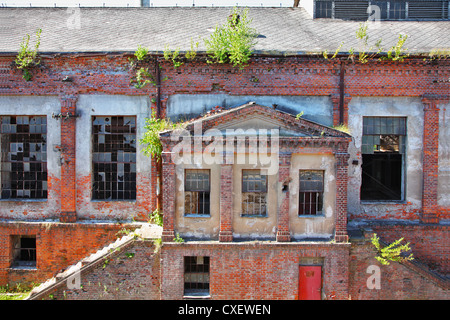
383, 150
23, 157
323, 9
114, 158
197, 192
311, 192
24, 251
254, 193
196, 276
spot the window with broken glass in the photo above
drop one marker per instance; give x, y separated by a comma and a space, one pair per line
254, 193
383, 156
196, 192
196, 276
23, 157
311, 192
24, 251
114, 158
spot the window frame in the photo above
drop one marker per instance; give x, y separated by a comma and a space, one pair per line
377, 154
195, 269
320, 194
255, 193
119, 190
204, 192
17, 249
28, 175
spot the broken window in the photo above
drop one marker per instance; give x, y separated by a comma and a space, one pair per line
311, 192
114, 158
254, 193
23, 157
196, 192
383, 151
196, 276
24, 251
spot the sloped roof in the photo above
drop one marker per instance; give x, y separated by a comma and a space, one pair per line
282, 30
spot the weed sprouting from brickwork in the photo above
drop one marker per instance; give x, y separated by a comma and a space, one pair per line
28, 58
392, 252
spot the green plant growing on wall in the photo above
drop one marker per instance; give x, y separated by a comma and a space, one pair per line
178, 239
391, 252
156, 218
233, 41
142, 74
153, 127
175, 56
28, 58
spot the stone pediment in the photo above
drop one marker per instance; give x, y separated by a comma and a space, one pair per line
253, 118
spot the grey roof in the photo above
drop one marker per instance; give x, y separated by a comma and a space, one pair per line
282, 30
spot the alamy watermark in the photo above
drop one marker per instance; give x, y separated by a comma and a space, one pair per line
232, 146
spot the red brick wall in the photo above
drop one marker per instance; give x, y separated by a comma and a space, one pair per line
131, 273
255, 270
396, 281
429, 243
58, 245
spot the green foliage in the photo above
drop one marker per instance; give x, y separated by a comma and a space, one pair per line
174, 56
342, 127
143, 77
178, 239
365, 53
233, 41
142, 74
395, 53
26, 57
141, 53
299, 115
391, 252
156, 218
153, 126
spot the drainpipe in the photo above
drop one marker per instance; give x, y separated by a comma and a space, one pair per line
341, 92
158, 116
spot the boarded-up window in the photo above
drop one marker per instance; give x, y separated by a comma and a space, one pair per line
197, 192
23, 157
311, 192
254, 193
114, 158
383, 151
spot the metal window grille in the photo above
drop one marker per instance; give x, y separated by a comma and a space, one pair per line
23, 157
196, 275
383, 148
197, 192
254, 193
311, 192
114, 157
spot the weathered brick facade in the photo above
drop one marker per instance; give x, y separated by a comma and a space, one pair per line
271, 270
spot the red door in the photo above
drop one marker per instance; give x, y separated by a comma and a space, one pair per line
310, 283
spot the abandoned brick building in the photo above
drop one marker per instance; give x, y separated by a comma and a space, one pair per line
292, 222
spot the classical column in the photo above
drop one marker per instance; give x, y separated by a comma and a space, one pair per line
168, 196
430, 161
283, 233
68, 158
226, 203
341, 196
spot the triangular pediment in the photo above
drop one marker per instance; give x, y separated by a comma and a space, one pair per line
252, 118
